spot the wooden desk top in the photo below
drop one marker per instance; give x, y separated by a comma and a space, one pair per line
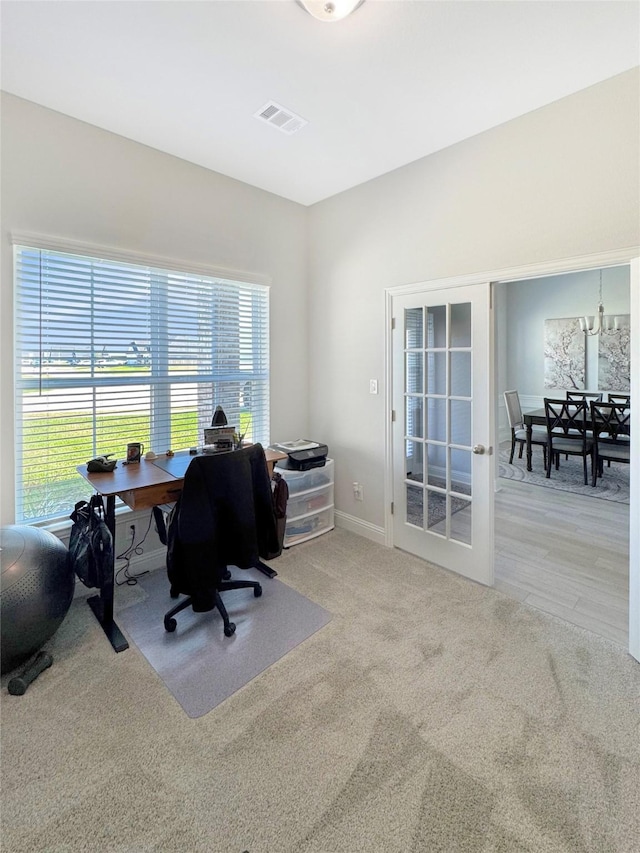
143, 484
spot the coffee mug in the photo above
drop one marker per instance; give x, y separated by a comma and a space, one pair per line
134, 451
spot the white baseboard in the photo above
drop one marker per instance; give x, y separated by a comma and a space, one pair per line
362, 528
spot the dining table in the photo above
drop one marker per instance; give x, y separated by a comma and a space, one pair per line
538, 417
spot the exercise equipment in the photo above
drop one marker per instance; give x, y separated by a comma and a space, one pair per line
36, 590
17, 685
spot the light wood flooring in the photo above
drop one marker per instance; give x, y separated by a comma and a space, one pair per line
565, 554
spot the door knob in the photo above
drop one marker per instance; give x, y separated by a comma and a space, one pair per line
478, 448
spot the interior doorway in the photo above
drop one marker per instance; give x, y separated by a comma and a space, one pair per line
623, 257
561, 546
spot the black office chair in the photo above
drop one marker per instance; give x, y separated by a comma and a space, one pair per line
567, 423
611, 426
223, 517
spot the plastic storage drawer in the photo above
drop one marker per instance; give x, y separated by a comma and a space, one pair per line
301, 481
311, 501
307, 526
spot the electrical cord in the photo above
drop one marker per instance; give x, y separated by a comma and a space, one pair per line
127, 554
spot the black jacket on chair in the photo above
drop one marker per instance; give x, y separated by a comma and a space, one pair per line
224, 517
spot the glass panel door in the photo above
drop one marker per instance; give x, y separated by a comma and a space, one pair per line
441, 401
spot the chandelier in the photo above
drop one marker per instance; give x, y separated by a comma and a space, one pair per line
594, 325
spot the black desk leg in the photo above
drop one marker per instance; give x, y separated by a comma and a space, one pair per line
102, 604
265, 569
529, 430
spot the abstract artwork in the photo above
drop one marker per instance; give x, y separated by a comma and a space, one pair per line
564, 354
614, 357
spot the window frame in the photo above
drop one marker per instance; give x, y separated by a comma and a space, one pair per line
256, 284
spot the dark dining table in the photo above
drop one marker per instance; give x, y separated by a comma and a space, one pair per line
538, 417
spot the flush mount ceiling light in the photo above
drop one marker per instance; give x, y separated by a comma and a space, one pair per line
329, 10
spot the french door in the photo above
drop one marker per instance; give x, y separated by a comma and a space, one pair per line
443, 468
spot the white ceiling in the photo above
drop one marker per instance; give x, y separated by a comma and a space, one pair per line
397, 80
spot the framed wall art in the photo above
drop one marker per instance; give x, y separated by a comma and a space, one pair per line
614, 357
564, 354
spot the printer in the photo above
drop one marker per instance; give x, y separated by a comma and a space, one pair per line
302, 454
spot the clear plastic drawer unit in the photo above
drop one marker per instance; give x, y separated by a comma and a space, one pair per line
310, 506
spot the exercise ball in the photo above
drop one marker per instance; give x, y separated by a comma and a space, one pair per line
35, 593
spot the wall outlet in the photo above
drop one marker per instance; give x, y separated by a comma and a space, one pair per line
373, 386
358, 492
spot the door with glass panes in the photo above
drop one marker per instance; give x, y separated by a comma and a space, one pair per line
442, 459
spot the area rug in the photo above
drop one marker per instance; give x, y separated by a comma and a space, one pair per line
197, 663
613, 486
436, 512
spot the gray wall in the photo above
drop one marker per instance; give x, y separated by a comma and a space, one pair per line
67, 179
530, 303
559, 182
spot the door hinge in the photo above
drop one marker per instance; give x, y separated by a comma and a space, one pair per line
393, 323
393, 414
391, 507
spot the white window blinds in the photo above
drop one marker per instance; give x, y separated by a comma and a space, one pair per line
111, 352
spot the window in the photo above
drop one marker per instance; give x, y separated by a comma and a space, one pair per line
110, 352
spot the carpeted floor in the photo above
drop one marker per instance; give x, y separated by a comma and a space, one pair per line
613, 486
431, 714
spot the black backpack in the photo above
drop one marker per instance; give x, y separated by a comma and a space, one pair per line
90, 542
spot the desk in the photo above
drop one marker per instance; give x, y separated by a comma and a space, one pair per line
142, 485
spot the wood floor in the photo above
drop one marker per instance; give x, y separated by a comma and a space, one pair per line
565, 554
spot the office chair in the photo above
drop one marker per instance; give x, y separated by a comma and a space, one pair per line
223, 517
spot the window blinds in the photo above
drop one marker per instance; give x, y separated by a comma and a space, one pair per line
110, 352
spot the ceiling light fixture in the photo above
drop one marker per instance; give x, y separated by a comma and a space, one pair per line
329, 10
604, 324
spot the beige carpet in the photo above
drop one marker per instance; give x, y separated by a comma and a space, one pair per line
431, 714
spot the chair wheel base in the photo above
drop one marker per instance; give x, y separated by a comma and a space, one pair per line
257, 591
170, 625
230, 629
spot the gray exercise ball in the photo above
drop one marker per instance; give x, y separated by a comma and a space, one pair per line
35, 593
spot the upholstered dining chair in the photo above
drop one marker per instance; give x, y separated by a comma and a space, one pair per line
569, 431
610, 424
518, 429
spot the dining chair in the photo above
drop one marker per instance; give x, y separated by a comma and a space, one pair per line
518, 429
610, 424
568, 430
585, 395
620, 398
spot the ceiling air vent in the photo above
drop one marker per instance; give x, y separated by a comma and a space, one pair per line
280, 118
